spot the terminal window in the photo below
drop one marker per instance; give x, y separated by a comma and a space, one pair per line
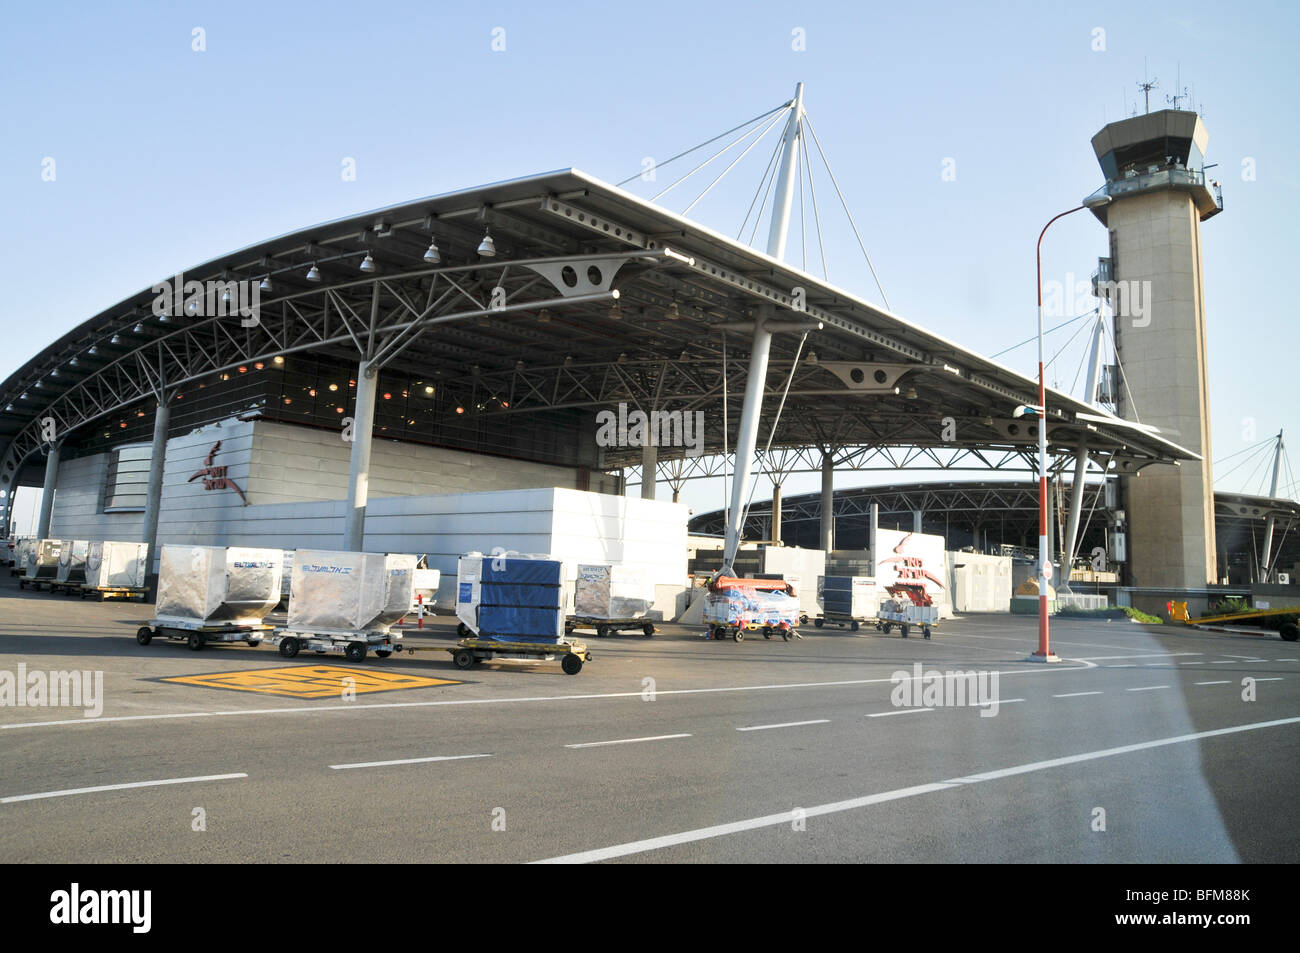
128, 479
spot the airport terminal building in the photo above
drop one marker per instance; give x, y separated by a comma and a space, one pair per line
431, 378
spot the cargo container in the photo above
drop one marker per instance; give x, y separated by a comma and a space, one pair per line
346, 601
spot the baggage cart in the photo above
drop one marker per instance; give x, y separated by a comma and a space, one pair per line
197, 634
607, 627
469, 652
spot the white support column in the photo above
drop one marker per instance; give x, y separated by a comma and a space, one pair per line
747, 437
871, 537
828, 501
1071, 541
649, 467
363, 427
1266, 563
153, 491
47, 494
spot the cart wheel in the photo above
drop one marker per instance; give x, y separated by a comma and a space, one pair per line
785, 635
738, 635
903, 629
571, 664
1289, 632
648, 629
195, 641
926, 630
355, 652
463, 658
853, 626
321, 651
383, 653
602, 632
819, 622
767, 634
289, 647
144, 635
463, 630
253, 643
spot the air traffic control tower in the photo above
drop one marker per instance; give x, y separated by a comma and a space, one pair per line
1154, 168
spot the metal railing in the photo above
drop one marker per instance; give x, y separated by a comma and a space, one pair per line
1166, 177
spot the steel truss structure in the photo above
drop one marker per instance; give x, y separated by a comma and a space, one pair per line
592, 299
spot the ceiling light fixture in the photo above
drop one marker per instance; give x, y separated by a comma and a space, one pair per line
368, 263
266, 284
433, 256
313, 273
487, 248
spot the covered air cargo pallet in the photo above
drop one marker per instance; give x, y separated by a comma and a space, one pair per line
734, 606
21, 547
346, 602
848, 600
512, 607
611, 598
115, 570
214, 594
514, 598
41, 563
71, 574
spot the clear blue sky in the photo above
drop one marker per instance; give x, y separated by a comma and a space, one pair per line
166, 157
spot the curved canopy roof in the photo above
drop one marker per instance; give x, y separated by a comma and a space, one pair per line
537, 326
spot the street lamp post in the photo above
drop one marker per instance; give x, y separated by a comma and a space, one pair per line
1044, 652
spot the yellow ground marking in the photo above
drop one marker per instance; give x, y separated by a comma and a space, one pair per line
310, 681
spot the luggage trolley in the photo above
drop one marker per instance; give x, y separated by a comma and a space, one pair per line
353, 645
198, 634
474, 650
734, 606
911, 605
607, 627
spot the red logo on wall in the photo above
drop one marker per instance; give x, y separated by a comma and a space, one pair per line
214, 478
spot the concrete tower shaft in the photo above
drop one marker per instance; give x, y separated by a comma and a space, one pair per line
1159, 197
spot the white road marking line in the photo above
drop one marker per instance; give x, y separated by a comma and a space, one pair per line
1191, 663
1134, 665
384, 764
118, 787
1076, 694
1107, 658
1224, 662
901, 711
1248, 658
787, 724
1029, 669
1001, 701
1268, 679
625, 741
1146, 688
784, 818
1224, 682
1285, 660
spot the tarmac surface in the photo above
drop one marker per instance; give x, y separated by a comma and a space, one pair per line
1145, 744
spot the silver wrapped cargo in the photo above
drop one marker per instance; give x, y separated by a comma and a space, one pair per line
229, 584
612, 592
344, 592
42, 560
72, 561
113, 564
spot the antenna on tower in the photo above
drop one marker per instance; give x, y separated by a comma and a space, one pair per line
1146, 88
1176, 99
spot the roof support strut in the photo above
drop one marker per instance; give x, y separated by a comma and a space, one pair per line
747, 438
